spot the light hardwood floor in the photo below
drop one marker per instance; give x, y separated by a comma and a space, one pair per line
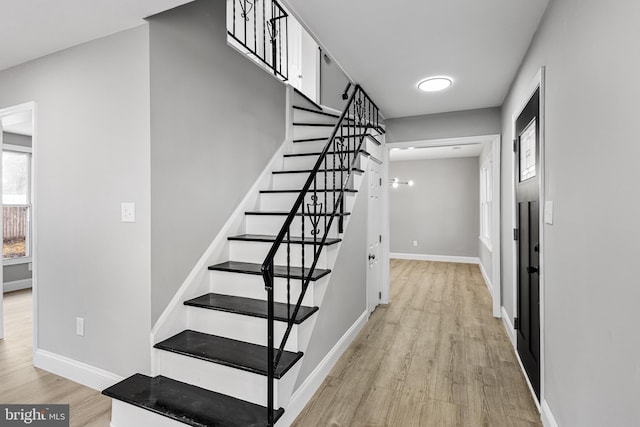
435, 356
21, 382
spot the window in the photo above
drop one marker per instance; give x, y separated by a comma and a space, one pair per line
486, 202
16, 202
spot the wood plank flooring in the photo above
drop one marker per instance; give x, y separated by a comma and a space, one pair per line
435, 356
21, 382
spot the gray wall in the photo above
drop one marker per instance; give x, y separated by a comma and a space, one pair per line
332, 83
590, 50
216, 120
441, 211
486, 121
346, 296
12, 273
92, 154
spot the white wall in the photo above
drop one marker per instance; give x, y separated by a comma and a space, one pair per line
590, 50
440, 211
92, 154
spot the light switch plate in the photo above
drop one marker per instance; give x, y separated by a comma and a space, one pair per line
128, 212
548, 212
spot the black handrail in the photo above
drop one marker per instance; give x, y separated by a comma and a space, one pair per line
343, 146
262, 32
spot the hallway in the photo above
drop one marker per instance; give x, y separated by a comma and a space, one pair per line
433, 357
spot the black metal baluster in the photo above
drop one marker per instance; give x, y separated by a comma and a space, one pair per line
255, 29
234, 17
288, 273
244, 11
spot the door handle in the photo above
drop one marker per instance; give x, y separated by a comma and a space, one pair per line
372, 256
531, 270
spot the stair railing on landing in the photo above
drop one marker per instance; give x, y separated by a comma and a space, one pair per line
320, 201
261, 27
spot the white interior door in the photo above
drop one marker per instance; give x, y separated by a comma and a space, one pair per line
295, 53
374, 236
310, 66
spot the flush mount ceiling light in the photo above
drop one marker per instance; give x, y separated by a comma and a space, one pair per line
435, 84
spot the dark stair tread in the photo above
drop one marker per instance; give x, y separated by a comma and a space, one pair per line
186, 403
278, 270
249, 307
329, 153
330, 190
228, 352
269, 239
285, 213
320, 171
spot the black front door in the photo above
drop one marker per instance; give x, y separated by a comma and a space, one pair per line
528, 238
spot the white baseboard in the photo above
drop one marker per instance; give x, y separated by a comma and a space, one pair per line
438, 258
17, 285
548, 420
487, 281
305, 392
82, 373
508, 326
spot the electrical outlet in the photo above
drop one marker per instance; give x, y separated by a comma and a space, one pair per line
415, 243
80, 326
128, 212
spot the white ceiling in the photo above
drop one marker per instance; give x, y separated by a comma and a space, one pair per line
389, 45
430, 153
33, 28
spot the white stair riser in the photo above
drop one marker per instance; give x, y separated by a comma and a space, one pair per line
309, 162
252, 286
247, 328
303, 132
256, 252
271, 225
302, 116
284, 201
307, 147
126, 415
289, 181
233, 382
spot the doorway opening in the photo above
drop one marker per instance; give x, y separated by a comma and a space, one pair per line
443, 204
18, 296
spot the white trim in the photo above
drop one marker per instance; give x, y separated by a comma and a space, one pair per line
17, 261
508, 326
16, 285
548, 420
79, 372
312, 383
486, 243
538, 81
485, 276
437, 258
18, 148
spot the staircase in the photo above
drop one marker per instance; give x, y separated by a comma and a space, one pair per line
237, 362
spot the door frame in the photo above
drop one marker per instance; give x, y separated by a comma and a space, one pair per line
30, 106
496, 250
381, 277
538, 81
